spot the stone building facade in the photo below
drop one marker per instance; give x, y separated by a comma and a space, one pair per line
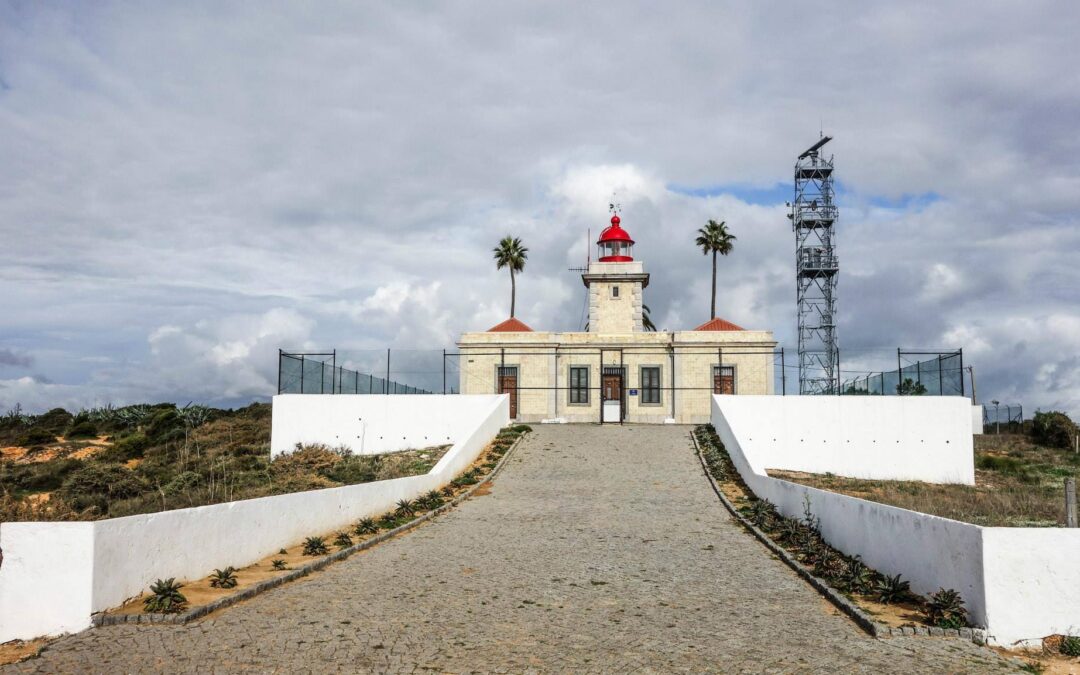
616, 371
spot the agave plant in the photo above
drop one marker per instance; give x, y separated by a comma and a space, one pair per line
165, 597
405, 508
946, 609
343, 540
761, 512
388, 522
858, 578
315, 546
225, 578
365, 526
279, 564
194, 415
890, 590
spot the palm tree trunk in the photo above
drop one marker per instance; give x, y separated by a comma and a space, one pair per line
513, 292
713, 306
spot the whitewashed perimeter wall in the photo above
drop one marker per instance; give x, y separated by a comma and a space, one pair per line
924, 438
1003, 574
54, 575
370, 424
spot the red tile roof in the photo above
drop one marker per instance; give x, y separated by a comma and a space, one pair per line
511, 325
718, 324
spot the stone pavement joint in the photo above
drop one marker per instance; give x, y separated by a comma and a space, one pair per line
598, 549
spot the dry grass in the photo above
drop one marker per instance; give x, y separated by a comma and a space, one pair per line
1017, 484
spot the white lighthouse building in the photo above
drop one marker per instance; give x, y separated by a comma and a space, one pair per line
616, 371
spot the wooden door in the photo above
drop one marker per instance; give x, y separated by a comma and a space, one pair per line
724, 380
611, 390
508, 385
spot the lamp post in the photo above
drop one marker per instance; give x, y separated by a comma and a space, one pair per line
997, 420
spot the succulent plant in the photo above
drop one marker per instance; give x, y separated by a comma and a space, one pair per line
405, 508
945, 609
279, 564
225, 578
315, 546
165, 597
343, 540
365, 526
891, 589
761, 512
859, 578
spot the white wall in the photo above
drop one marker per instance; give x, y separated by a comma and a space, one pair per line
45, 578
54, 575
976, 419
1020, 583
886, 437
1032, 581
371, 424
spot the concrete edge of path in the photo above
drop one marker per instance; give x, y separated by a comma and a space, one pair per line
307, 569
861, 618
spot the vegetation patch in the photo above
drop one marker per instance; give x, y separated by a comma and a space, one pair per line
149, 458
1019, 482
888, 599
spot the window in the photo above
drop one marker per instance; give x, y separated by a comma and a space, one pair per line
650, 385
723, 379
579, 385
614, 291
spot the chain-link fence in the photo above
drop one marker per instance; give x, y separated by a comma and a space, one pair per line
318, 373
1003, 418
940, 375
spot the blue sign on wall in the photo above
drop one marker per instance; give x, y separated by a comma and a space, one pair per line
633, 392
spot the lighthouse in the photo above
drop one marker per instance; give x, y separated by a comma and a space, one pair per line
615, 282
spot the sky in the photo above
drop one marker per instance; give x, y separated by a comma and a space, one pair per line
186, 188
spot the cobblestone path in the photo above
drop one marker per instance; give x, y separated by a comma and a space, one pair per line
598, 549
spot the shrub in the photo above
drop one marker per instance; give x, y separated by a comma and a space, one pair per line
365, 526
1070, 645
132, 446
430, 500
946, 609
85, 429
315, 546
225, 578
389, 521
343, 540
858, 578
1053, 429
165, 597
36, 437
279, 564
54, 421
890, 590
96, 484
761, 512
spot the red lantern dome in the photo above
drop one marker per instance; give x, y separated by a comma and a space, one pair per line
615, 244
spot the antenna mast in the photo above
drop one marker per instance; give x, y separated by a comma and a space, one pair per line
813, 215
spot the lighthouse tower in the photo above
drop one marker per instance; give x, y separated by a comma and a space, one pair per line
615, 282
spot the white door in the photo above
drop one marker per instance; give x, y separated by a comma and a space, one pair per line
611, 404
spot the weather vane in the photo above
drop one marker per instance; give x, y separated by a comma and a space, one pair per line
614, 207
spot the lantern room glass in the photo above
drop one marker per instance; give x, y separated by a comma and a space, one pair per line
616, 249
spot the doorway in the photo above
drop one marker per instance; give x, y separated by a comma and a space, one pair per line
612, 408
507, 378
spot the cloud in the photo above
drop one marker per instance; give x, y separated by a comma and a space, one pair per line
187, 189
10, 357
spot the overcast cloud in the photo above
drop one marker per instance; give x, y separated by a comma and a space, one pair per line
187, 187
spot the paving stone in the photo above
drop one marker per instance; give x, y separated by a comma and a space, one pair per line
598, 549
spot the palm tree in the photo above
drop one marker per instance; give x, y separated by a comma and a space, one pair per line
714, 238
646, 321
510, 253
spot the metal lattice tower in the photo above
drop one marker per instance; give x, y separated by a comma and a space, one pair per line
813, 215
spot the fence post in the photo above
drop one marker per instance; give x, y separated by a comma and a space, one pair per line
783, 374
279, 371
899, 372
302, 369
1070, 502
444, 372
386, 383
838, 392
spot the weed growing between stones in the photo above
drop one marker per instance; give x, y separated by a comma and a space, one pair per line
801, 537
